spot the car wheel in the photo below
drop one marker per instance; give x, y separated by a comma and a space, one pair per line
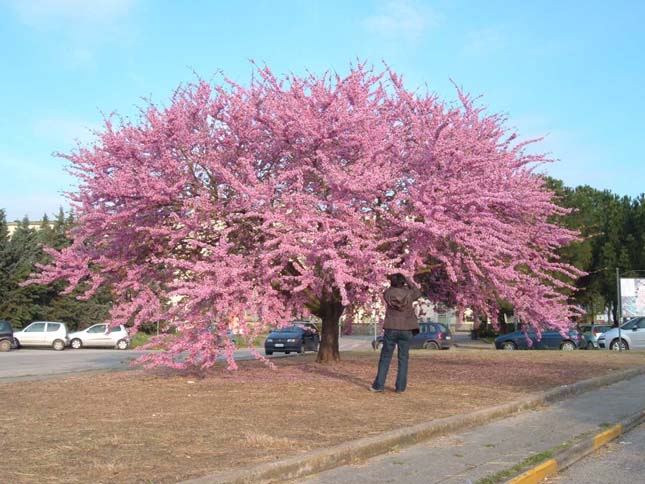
122, 344
617, 346
567, 346
58, 345
16, 344
287, 352
268, 352
509, 345
590, 345
5, 345
76, 343
430, 345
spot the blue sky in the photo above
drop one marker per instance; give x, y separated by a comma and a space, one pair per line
570, 70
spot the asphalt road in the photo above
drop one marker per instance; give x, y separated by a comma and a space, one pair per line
32, 363
37, 363
618, 462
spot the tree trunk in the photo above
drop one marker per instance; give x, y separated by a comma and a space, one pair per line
613, 310
330, 312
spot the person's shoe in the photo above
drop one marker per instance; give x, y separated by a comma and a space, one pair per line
376, 390
399, 391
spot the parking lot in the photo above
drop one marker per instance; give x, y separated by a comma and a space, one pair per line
37, 363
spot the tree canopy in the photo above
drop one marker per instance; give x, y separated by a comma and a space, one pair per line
298, 194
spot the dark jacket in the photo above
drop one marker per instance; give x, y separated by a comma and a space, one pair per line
399, 313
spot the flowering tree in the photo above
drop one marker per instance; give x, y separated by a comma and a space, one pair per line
249, 205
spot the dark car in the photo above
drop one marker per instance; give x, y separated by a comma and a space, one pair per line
6, 336
591, 333
431, 336
550, 340
291, 338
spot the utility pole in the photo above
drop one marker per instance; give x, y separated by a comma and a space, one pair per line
619, 310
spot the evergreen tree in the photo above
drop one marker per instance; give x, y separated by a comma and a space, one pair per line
19, 255
4, 257
20, 304
613, 230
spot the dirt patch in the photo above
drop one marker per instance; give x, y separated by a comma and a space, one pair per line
135, 427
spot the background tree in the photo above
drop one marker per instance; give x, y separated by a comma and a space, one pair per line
4, 258
613, 236
19, 255
302, 194
22, 251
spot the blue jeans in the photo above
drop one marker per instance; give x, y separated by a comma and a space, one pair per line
392, 338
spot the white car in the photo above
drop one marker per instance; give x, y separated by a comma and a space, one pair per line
632, 336
101, 335
43, 333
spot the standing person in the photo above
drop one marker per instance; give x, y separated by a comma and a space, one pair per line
399, 326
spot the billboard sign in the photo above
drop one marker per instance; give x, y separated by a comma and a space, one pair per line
632, 297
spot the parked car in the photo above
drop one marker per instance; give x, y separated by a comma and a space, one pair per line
550, 340
291, 338
431, 336
632, 336
591, 333
6, 336
101, 335
43, 333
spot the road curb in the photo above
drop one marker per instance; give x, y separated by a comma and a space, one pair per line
354, 451
468, 346
569, 456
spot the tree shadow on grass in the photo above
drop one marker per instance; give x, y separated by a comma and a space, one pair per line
336, 373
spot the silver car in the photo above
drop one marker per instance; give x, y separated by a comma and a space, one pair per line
632, 336
101, 335
43, 333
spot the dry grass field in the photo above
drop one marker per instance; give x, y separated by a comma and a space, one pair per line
137, 427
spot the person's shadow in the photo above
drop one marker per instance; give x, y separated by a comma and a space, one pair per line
332, 373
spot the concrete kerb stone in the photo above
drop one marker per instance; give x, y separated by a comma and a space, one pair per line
358, 450
475, 346
571, 455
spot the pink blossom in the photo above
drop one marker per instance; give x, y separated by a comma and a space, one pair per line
238, 206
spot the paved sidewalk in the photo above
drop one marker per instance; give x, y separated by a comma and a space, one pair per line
466, 457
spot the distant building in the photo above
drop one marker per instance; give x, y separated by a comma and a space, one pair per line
12, 226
